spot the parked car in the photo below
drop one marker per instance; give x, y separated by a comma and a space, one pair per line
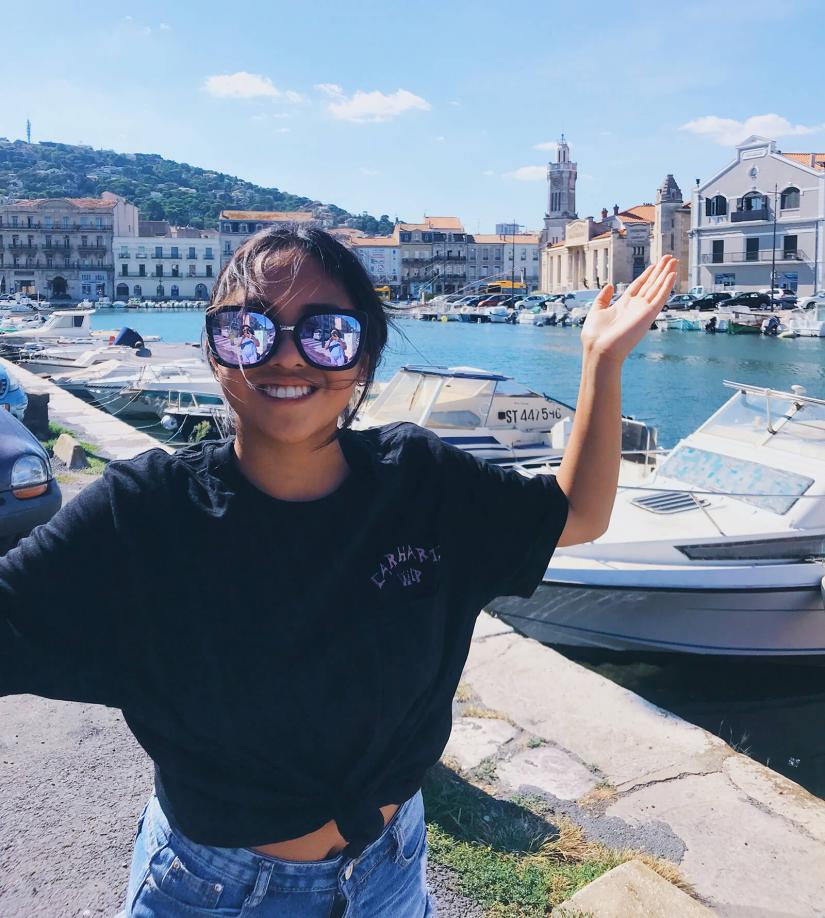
12, 396
752, 299
29, 493
534, 299
787, 301
681, 301
492, 300
811, 302
710, 301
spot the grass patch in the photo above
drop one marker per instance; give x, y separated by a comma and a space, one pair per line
96, 464
507, 856
474, 710
535, 741
463, 693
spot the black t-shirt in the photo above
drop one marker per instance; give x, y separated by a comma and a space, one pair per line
282, 662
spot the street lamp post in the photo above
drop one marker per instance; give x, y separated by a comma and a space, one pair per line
773, 249
513, 265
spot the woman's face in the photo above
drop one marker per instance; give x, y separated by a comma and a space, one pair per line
310, 418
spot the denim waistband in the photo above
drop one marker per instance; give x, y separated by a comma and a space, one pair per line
243, 865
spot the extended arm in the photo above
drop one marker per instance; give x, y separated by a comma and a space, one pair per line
589, 471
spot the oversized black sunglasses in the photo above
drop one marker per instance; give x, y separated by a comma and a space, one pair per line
327, 337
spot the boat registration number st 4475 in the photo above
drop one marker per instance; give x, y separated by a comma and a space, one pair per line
514, 415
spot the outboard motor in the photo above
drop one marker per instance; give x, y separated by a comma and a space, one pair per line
771, 326
128, 337
710, 325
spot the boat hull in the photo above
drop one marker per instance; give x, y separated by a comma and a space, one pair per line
786, 621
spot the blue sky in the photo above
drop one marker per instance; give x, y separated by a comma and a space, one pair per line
446, 107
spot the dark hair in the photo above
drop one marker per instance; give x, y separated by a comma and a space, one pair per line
246, 268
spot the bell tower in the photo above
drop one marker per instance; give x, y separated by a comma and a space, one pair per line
561, 194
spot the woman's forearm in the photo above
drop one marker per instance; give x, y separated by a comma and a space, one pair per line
589, 470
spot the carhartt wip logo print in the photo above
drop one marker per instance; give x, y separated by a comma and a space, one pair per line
408, 565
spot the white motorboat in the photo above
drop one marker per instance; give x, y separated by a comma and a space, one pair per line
490, 415
528, 316
143, 391
62, 323
499, 314
43, 359
719, 551
809, 323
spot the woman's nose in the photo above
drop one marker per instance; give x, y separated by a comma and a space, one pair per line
286, 351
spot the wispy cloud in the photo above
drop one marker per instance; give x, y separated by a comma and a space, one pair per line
243, 85
728, 132
165, 27
488, 172
528, 174
365, 171
370, 107
550, 145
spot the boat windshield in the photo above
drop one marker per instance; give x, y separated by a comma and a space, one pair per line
404, 398
751, 482
462, 403
776, 421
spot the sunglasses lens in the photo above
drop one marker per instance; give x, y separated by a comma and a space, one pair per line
331, 340
242, 336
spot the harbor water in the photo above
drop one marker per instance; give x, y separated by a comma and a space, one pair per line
673, 380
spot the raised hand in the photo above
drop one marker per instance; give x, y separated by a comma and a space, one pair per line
613, 331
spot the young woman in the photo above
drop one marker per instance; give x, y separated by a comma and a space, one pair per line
291, 726
337, 348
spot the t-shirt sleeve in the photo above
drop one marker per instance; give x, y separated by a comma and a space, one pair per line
503, 527
58, 605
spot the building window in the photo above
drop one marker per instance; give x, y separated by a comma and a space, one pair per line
244, 228
725, 281
49, 261
174, 291
99, 222
137, 289
752, 248
14, 220
124, 251
208, 252
753, 200
226, 249
790, 199
175, 270
65, 242
65, 221
209, 270
789, 249
192, 270
192, 252
718, 255
141, 270
84, 241
124, 270
99, 241
175, 252
638, 251
158, 270
158, 251
160, 290
716, 206
48, 222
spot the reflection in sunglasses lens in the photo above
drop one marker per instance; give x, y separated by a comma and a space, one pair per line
330, 340
242, 337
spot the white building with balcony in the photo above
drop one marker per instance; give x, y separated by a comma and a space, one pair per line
381, 256
182, 264
760, 222
236, 226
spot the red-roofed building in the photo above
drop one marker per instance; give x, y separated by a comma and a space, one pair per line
616, 248
760, 222
236, 226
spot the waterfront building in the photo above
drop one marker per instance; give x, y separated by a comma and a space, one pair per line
762, 214
616, 248
163, 262
433, 256
499, 256
381, 257
236, 226
62, 247
561, 195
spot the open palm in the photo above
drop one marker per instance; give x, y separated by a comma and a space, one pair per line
613, 331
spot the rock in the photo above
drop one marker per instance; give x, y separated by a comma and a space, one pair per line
550, 769
475, 738
69, 452
631, 890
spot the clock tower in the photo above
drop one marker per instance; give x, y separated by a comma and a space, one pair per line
561, 195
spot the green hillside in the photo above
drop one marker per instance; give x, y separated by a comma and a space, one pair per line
162, 188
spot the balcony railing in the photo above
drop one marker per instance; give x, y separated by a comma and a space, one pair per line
124, 255
60, 265
55, 227
743, 216
415, 261
177, 257
90, 248
763, 255
21, 247
449, 258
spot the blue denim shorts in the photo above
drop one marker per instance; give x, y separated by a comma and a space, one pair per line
173, 876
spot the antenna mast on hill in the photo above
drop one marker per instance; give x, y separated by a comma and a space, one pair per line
28, 131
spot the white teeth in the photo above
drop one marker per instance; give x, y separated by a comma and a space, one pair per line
287, 391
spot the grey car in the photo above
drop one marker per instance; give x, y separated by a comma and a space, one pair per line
29, 493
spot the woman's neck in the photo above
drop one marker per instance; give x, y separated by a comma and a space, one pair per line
291, 471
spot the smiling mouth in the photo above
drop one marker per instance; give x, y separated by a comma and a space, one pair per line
287, 393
